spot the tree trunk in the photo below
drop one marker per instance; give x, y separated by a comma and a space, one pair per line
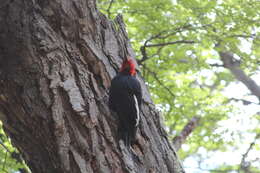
57, 58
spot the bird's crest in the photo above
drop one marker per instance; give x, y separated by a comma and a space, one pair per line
128, 66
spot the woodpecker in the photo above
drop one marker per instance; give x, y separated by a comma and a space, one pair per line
125, 97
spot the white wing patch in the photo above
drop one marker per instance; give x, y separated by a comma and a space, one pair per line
137, 111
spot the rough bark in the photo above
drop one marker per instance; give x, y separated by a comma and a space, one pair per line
56, 62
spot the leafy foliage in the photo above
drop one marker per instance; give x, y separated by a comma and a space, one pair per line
178, 45
10, 159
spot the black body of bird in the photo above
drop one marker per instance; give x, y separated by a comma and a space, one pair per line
125, 97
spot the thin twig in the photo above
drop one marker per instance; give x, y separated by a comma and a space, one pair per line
243, 164
3, 145
109, 8
143, 48
160, 36
245, 102
170, 43
159, 81
157, 52
243, 36
4, 161
216, 65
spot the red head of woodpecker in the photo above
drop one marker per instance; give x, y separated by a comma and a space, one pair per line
128, 67
125, 97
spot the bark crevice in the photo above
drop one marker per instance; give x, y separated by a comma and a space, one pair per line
56, 62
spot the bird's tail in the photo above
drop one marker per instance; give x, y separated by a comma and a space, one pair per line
129, 136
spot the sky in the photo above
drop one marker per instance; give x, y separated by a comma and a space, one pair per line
239, 121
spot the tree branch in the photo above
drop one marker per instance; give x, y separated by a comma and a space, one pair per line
143, 48
244, 165
231, 64
216, 65
3, 145
186, 131
109, 8
189, 127
4, 162
145, 57
245, 102
167, 35
243, 35
170, 43
160, 36
159, 81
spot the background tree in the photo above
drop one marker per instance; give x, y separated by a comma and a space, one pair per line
56, 62
187, 50
181, 47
